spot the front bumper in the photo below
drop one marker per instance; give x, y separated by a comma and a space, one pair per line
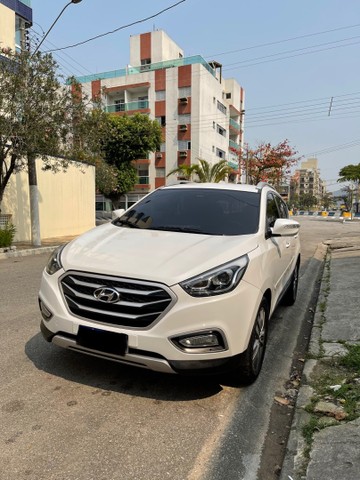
232, 314
144, 359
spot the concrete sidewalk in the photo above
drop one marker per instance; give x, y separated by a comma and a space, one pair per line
22, 249
334, 452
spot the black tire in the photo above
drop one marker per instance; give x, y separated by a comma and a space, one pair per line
252, 359
290, 295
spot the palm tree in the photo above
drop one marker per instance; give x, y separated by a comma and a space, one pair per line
204, 171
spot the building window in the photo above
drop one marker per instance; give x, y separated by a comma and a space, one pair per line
228, 96
184, 145
120, 105
180, 55
184, 119
145, 64
214, 125
221, 130
160, 95
221, 107
163, 147
160, 172
220, 153
161, 120
184, 92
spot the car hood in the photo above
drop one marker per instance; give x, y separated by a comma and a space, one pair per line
166, 257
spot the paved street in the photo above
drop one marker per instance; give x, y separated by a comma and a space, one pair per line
66, 416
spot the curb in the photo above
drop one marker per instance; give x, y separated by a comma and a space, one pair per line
27, 252
294, 460
298, 458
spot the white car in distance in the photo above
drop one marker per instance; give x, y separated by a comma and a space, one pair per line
184, 281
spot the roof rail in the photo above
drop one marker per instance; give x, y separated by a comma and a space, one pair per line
261, 185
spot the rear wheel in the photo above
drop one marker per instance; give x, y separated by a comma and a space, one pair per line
291, 292
252, 358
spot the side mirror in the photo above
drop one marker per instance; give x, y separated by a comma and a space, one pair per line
117, 213
285, 227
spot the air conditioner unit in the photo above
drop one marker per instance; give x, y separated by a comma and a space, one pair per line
159, 155
183, 100
183, 154
183, 128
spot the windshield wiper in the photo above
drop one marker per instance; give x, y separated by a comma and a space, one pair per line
126, 223
174, 228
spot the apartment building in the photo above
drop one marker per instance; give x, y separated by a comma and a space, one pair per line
200, 112
15, 19
307, 180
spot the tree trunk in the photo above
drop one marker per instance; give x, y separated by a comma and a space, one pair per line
34, 202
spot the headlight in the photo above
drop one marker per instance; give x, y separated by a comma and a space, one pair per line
54, 263
219, 280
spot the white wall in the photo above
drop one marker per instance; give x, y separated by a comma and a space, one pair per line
7, 27
66, 202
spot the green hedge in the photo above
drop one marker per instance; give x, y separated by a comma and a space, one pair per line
7, 234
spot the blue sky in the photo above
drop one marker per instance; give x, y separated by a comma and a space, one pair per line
294, 60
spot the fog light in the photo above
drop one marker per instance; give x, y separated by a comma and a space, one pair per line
201, 342
45, 312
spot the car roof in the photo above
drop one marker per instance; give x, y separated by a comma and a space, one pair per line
214, 186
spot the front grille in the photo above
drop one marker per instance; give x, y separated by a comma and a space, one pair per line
140, 304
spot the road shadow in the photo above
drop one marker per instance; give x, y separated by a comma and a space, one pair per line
115, 377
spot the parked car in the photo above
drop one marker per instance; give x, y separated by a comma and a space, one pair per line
184, 281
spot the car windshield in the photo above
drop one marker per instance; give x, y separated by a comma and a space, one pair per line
198, 211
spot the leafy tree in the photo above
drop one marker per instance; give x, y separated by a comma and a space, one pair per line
350, 173
267, 163
125, 139
205, 171
307, 200
327, 200
185, 172
39, 118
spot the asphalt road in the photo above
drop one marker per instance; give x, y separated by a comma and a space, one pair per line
66, 416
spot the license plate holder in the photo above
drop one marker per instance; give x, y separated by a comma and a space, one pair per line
102, 340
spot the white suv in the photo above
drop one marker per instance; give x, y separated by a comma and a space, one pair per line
184, 281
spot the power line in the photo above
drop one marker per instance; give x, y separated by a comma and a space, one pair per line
117, 29
294, 50
289, 56
283, 41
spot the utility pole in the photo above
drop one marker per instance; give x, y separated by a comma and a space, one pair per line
32, 176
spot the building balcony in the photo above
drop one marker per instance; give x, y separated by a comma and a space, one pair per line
143, 184
234, 145
178, 62
234, 125
127, 107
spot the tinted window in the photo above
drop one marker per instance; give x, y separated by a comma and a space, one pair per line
284, 213
205, 211
272, 212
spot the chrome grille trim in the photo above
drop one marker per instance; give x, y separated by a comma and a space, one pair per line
141, 303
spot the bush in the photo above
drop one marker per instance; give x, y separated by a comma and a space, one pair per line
7, 234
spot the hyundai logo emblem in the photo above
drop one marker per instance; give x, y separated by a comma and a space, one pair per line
107, 295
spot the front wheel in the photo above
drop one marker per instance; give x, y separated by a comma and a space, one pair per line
291, 291
252, 358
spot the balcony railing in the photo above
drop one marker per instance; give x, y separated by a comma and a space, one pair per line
177, 62
233, 144
233, 165
143, 180
126, 107
234, 124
